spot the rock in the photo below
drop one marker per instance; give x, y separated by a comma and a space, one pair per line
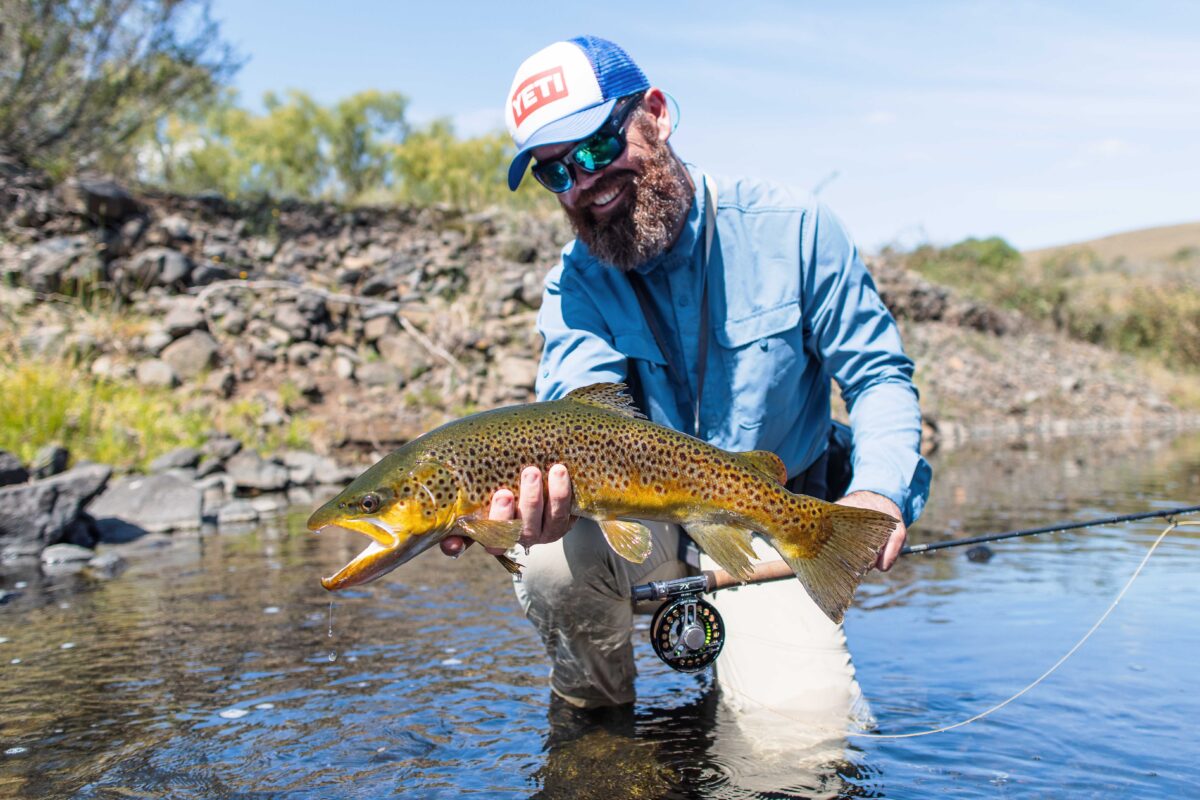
11, 469
379, 373
234, 322
156, 266
104, 201
402, 352
343, 366
221, 447
221, 382
50, 460
38, 514
156, 373
980, 553
177, 228
192, 355
235, 512
44, 265
182, 319
380, 326
328, 472
207, 272
66, 553
152, 503
302, 353
302, 466
45, 342
181, 458
291, 321
156, 341
250, 471
106, 565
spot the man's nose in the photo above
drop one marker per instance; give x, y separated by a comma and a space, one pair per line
584, 180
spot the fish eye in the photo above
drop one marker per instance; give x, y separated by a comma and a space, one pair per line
370, 503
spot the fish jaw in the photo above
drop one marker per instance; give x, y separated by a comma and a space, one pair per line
389, 550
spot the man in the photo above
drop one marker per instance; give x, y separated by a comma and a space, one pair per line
727, 309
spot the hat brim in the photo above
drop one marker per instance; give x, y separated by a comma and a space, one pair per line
577, 126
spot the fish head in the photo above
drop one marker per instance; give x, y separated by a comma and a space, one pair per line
405, 509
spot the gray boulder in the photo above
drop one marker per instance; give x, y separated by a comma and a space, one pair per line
182, 319
250, 471
156, 266
49, 460
145, 503
156, 373
11, 469
192, 355
181, 458
38, 514
104, 201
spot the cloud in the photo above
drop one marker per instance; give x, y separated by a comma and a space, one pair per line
880, 118
1101, 150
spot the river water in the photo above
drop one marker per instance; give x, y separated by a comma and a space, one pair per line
214, 666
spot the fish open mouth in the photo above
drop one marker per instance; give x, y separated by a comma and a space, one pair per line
380, 557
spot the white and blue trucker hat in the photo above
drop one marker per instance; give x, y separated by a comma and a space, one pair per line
564, 92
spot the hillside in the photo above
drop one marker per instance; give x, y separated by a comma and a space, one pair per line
1160, 245
349, 331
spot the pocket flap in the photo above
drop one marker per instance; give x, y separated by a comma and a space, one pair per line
773, 321
638, 345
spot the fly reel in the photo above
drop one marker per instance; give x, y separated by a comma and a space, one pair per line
687, 633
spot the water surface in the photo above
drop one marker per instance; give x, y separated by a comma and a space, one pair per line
207, 670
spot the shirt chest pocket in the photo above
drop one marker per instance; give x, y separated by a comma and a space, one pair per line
763, 354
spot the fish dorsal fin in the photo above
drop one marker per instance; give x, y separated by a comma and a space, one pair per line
767, 463
610, 396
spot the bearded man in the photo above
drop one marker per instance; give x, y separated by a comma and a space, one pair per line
727, 306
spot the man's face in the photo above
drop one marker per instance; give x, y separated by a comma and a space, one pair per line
630, 211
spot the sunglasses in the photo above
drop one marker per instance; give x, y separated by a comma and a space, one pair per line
593, 153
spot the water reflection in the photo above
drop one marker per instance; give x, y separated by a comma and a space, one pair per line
204, 670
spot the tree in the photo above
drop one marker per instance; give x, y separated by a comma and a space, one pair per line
81, 79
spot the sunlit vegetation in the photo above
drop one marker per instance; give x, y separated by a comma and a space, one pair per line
1148, 309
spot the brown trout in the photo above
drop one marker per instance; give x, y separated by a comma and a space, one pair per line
623, 468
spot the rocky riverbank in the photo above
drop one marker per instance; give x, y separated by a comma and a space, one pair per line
372, 325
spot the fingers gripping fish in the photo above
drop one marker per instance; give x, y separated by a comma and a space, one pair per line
623, 468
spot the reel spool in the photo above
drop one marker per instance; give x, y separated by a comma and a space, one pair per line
687, 633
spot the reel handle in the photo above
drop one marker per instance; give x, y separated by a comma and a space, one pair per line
710, 581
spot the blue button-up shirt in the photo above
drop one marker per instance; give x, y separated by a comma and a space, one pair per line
791, 306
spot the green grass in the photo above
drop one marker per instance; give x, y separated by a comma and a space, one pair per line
111, 422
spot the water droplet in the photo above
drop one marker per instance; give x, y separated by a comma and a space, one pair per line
16, 751
66, 645
330, 619
333, 655
271, 610
234, 713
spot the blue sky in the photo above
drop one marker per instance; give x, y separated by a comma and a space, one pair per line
1044, 123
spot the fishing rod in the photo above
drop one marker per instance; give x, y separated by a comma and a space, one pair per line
687, 632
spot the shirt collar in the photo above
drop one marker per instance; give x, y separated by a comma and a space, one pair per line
684, 249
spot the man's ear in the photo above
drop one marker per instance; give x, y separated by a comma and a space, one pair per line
655, 105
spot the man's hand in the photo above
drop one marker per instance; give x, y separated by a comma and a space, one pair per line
545, 515
877, 502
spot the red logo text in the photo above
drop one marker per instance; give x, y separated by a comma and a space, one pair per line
536, 91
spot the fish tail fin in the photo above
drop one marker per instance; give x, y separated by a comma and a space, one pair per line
830, 547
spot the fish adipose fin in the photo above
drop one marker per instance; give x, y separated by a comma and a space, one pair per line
727, 545
630, 540
846, 546
610, 396
491, 532
767, 463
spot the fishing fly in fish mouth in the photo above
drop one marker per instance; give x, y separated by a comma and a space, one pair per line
623, 468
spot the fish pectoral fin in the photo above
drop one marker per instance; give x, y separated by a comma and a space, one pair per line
492, 532
629, 540
727, 545
513, 567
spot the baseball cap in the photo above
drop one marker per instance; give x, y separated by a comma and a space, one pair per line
564, 92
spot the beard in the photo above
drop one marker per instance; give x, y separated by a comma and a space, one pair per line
661, 197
